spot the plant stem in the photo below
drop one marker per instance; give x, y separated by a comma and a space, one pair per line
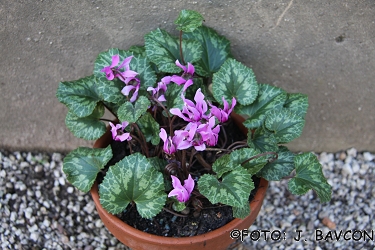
260, 155
203, 162
144, 142
181, 54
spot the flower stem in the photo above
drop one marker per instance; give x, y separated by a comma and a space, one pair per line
181, 54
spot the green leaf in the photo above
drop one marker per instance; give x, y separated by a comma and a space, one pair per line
233, 190
104, 59
88, 127
223, 165
188, 20
173, 96
262, 140
157, 163
281, 167
163, 50
111, 90
253, 166
297, 103
285, 124
82, 165
269, 98
216, 49
80, 96
309, 175
241, 212
235, 80
150, 128
131, 112
138, 50
133, 179
178, 206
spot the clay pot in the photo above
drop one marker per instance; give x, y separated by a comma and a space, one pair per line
136, 239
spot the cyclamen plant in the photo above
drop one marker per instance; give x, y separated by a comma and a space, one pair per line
172, 101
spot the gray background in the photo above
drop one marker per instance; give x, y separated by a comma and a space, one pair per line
324, 49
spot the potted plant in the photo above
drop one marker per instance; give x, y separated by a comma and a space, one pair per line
174, 145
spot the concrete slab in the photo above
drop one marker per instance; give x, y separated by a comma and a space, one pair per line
324, 49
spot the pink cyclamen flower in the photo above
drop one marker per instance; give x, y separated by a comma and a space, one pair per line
169, 146
182, 193
187, 76
113, 71
159, 91
127, 89
192, 112
223, 114
118, 132
202, 134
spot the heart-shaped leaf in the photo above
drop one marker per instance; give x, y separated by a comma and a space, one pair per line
173, 96
235, 80
241, 212
262, 140
133, 179
233, 190
269, 98
82, 165
131, 112
242, 157
223, 165
163, 50
111, 90
216, 49
285, 124
80, 96
279, 168
297, 103
188, 20
309, 175
88, 127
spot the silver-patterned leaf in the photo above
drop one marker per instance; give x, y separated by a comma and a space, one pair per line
111, 90
131, 112
262, 140
241, 212
269, 98
286, 125
150, 128
216, 49
133, 179
188, 20
279, 168
233, 190
88, 127
309, 175
223, 165
241, 156
298, 103
163, 50
80, 96
235, 80
82, 165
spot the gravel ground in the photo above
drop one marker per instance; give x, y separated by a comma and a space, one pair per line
40, 210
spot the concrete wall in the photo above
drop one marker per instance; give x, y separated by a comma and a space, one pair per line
322, 48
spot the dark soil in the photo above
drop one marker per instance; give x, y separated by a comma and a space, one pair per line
171, 224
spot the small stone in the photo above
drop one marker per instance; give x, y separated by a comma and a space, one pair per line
368, 156
328, 223
347, 170
98, 223
28, 212
352, 152
70, 190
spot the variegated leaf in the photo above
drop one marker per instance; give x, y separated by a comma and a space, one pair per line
163, 50
269, 98
297, 103
104, 59
88, 127
188, 20
279, 168
216, 49
82, 165
173, 96
133, 179
80, 96
309, 175
138, 50
235, 80
233, 190
240, 156
178, 206
223, 165
241, 212
150, 128
111, 90
286, 125
131, 112
262, 140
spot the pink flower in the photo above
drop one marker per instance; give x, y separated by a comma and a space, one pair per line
187, 76
118, 132
169, 146
223, 114
113, 71
182, 193
178, 142
127, 89
159, 91
192, 112
204, 134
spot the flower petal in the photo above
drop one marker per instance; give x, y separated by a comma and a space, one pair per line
189, 184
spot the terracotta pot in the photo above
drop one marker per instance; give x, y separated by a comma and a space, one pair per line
136, 239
